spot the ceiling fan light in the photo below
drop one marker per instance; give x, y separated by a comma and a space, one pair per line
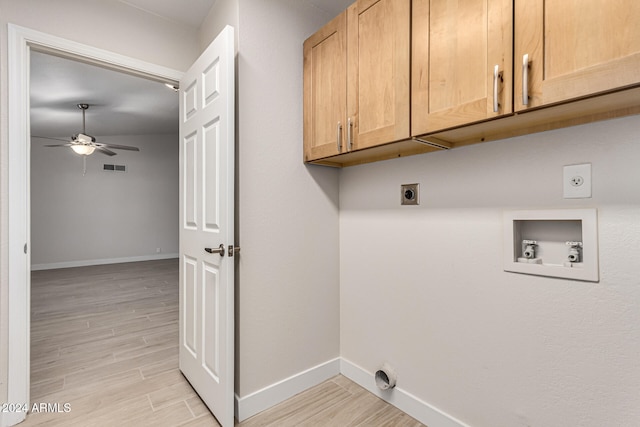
83, 150
83, 138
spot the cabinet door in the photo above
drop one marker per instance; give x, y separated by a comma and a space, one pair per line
325, 91
575, 48
378, 51
457, 45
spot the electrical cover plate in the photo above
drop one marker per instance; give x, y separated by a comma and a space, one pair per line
576, 183
410, 194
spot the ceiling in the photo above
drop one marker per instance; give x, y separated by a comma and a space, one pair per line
120, 104
189, 12
193, 12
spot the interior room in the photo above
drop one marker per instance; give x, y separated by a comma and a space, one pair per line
83, 210
337, 280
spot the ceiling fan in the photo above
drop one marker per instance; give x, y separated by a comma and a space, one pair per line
85, 144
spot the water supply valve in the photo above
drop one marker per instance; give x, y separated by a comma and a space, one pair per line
575, 251
529, 249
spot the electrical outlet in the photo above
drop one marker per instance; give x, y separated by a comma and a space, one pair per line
577, 181
410, 194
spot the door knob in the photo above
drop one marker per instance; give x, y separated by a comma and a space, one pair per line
218, 250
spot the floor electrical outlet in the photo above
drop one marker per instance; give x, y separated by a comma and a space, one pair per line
576, 181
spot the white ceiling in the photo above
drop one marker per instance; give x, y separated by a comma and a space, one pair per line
332, 7
193, 12
120, 104
189, 12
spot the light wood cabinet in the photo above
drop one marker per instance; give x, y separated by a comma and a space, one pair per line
574, 49
582, 65
356, 80
387, 77
378, 56
325, 89
461, 62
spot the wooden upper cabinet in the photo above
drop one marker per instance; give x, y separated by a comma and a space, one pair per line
378, 55
575, 48
356, 79
457, 72
325, 90
461, 62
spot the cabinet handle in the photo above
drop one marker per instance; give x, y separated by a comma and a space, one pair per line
496, 76
349, 134
339, 137
525, 79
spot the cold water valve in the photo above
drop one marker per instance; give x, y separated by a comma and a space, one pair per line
575, 250
529, 249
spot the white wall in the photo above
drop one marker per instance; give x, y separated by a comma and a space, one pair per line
104, 216
423, 287
113, 26
223, 13
288, 296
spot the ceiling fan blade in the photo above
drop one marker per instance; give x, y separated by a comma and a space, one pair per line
59, 145
105, 151
47, 137
116, 147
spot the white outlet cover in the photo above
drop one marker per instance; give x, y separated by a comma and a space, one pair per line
574, 174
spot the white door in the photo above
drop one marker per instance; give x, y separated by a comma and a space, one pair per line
207, 221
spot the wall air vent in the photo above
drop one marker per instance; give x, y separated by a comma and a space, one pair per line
114, 168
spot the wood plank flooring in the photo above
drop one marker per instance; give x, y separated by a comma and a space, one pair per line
104, 339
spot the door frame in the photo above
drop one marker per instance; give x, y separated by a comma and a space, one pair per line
20, 41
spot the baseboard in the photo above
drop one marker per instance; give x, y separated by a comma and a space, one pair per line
84, 263
401, 399
261, 400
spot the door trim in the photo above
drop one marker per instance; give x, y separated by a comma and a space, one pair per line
20, 41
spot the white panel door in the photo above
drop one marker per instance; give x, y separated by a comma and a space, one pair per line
207, 221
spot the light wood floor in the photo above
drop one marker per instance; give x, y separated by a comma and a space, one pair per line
104, 339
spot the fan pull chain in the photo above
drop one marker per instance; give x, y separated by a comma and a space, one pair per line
84, 165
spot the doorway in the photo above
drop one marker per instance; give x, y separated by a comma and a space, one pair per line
114, 205
21, 41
